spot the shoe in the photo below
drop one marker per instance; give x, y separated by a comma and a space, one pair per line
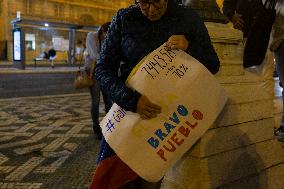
279, 134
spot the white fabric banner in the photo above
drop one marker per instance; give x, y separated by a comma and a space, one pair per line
191, 99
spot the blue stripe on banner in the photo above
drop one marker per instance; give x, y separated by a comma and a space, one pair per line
105, 151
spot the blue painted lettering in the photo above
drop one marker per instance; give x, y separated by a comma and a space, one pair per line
160, 134
169, 127
174, 118
153, 142
182, 110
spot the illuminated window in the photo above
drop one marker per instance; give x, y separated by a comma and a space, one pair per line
30, 41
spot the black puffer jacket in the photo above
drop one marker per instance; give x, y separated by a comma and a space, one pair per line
132, 36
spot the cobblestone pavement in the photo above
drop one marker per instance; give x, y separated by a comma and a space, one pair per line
46, 142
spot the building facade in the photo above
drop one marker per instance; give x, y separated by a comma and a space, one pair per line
81, 12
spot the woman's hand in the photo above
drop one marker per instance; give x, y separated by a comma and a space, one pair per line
177, 42
147, 109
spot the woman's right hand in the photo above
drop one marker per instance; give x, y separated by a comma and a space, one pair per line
177, 42
147, 109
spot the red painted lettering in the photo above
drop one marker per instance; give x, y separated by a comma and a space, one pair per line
176, 140
172, 149
184, 131
191, 126
161, 154
198, 115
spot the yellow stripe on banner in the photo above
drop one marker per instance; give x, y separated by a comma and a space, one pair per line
135, 69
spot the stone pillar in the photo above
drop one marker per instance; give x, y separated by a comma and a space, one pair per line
7, 35
239, 150
207, 9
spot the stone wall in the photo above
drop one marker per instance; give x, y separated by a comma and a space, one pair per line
239, 150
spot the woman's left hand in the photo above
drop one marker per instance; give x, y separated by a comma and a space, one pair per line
177, 42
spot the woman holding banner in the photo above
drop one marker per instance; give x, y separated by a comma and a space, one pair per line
135, 32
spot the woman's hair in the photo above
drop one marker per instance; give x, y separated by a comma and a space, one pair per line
103, 29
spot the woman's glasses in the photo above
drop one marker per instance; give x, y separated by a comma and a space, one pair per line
145, 4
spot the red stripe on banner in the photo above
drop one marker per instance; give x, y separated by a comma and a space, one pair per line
112, 173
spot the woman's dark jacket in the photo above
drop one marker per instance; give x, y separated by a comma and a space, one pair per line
132, 36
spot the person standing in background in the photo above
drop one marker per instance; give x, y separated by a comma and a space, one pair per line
93, 45
241, 13
277, 46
